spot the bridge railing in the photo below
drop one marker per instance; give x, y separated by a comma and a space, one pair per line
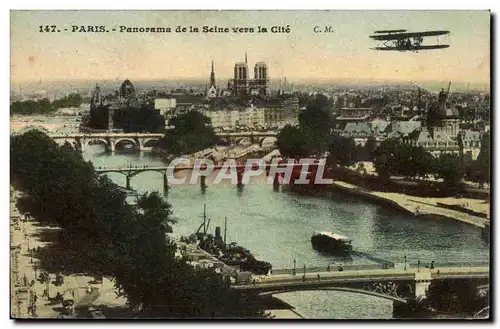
331, 268
361, 267
451, 264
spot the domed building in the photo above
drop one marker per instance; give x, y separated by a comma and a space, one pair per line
442, 117
448, 121
127, 89
440, 131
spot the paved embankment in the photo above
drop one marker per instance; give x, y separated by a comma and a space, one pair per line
28, 294
419, 206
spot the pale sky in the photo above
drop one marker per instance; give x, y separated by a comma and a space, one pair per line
301, 54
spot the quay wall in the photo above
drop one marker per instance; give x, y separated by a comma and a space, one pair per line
407, 206
462, 209
366, 195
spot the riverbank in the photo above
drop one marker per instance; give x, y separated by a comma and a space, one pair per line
419, 206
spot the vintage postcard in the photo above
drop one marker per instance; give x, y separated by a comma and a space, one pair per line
263, 164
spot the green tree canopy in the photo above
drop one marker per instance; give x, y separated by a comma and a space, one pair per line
479, 170
450, 169
292, 142
393, 158
44, 106
191, 133
455, 296
312, 136
342, 151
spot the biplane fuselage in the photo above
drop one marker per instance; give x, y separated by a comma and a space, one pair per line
400, 40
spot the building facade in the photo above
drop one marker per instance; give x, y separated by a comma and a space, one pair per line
243, 86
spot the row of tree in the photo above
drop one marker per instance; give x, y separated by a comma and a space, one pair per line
394, 158
113, 238
44, 106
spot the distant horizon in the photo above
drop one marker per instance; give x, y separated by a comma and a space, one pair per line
456, 85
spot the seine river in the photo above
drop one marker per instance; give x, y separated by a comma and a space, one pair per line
277, 226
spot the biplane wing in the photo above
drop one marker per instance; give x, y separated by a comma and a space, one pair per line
397, 36
414, 48
389, 31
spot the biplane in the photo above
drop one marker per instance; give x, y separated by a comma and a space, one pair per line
400, 40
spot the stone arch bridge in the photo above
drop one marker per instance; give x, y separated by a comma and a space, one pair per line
258, 137
140, 141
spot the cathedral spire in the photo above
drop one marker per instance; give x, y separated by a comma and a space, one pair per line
212, 76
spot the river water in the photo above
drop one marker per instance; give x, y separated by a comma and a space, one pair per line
277, 226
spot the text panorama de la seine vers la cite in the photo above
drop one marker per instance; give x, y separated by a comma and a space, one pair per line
176, 29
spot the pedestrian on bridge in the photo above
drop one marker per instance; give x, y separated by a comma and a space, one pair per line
318, 277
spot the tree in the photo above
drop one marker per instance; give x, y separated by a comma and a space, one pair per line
340, 103
449, 168
357, 101
454, 296
316, 123
313, 134
72, 100
191, 133
385, 159
139, 119
44, 106
484, 156
394, 158
292, 142
367, 152
152, 207
422, 162
342, 151
479, 170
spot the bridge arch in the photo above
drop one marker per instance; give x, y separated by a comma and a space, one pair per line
344, 289
124, 141
223, 141
149, 142
267, 139
240, 140
94, 141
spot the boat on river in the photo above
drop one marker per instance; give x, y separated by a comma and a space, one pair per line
230, 254
331, 243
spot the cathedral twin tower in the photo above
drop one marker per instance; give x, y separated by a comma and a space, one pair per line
241, 85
